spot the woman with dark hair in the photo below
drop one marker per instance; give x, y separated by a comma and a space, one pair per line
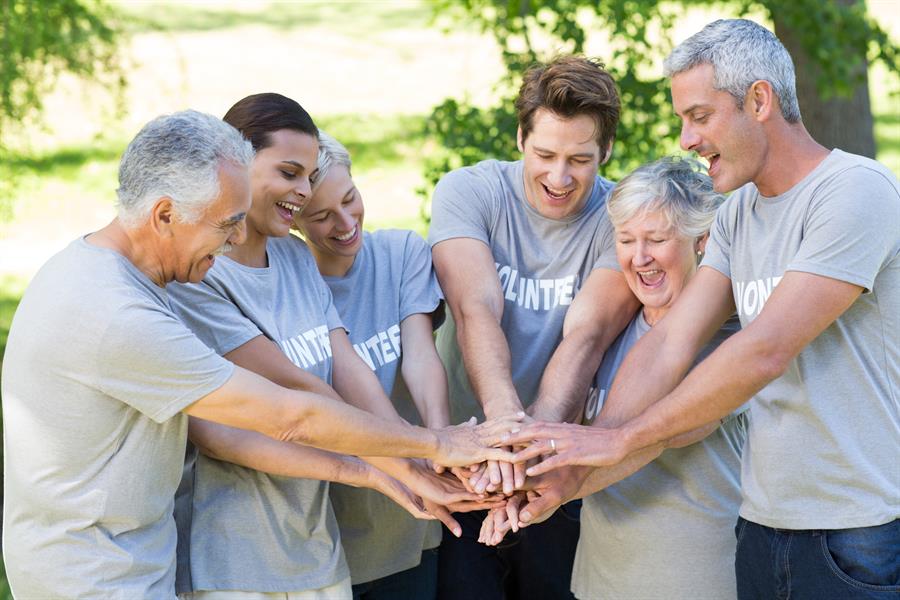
254, 514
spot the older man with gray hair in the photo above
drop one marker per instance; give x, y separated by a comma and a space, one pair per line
99, 373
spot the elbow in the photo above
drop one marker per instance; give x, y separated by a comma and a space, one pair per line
768, 359
296, 420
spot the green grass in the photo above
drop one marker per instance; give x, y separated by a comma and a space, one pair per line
376, 140
354, 17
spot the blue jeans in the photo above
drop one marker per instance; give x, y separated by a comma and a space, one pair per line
534, 564
418, 582
817, 564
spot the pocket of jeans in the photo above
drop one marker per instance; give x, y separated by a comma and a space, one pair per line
849, 555
739, 529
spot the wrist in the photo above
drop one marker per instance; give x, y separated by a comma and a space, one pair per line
501, 408
355, 472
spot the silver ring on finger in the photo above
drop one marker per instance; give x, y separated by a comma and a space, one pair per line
553, 445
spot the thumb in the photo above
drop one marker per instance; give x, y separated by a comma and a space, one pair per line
536, 508
443, 515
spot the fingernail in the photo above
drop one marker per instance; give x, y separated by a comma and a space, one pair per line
457, 532
520, 413
524, 516
529, 471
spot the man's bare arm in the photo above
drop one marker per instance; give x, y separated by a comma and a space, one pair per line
465, 269
599, 312
248, 401
800, 308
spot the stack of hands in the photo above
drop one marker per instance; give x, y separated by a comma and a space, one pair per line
522, 486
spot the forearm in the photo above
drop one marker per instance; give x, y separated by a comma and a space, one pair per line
426, 381
356, 383
256, 451
600, 311
713, 389
487, 360
599, 478
248, 401
567, 378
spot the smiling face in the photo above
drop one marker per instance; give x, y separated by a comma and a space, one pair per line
656, 260
332, 222
561, 158
280, 180
714, 127
190, 249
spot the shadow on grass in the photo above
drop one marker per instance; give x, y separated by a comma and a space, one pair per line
356, 17
64, 162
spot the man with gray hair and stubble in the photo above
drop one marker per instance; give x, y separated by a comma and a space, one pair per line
807, 251
100, 375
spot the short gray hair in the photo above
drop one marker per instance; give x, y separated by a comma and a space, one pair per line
740, 52
331, 152
677, 187
177, 156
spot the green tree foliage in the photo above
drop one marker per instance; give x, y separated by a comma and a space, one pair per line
40, 40
838, 36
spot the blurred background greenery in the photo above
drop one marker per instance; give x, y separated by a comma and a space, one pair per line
412, 87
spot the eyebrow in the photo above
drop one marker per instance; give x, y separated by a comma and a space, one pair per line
293, 163
692, 108
578, 154
322, 210
234, 219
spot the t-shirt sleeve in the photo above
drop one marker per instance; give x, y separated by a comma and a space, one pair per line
606, 245
149, 360
212, 316
419, 288
463, 206
718, 247
851, 229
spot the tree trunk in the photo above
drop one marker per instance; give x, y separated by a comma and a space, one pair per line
838, 122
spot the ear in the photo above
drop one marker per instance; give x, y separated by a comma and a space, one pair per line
608, 154
700, 243
762, 100
162, 216
520, 140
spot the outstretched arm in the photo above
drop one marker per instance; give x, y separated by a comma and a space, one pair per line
466, 272
799, 309
599, 312
423, 372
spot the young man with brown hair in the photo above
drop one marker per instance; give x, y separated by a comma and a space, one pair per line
525, 255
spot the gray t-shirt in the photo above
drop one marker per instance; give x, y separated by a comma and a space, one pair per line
96, 372
248, 530
666, 531
822, 446
541, 264
391, 279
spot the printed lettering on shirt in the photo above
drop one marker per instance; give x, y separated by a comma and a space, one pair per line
380, 349
309, 348
751, 296
536, 294
595, 399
